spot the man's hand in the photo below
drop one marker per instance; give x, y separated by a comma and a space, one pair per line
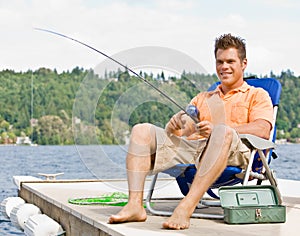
180, 124
176, 122
204, 128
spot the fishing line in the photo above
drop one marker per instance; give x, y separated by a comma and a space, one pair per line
192, 116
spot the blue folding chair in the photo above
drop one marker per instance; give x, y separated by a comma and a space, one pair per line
258, 167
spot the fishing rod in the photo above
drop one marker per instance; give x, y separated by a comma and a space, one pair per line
191, 110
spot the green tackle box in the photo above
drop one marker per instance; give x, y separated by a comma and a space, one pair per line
251, 204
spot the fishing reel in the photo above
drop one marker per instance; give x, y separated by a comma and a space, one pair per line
193, 112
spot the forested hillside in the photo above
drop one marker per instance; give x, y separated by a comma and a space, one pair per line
79, 106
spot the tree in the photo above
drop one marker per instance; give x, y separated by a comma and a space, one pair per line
52, 130
55, 93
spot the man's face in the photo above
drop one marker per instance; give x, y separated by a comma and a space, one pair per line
230, 68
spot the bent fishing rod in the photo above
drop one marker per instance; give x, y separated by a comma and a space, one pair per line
191, 111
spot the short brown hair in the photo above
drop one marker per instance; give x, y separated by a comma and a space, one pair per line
226, 41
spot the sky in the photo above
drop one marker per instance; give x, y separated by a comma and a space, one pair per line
270, 29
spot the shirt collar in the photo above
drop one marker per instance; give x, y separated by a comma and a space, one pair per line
242, 88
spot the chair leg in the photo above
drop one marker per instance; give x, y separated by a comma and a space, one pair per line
149, 198
249, 167
270, 175
169, 213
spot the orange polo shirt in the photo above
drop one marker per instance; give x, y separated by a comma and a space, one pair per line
239, 106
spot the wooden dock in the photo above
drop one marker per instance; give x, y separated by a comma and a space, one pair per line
91, 220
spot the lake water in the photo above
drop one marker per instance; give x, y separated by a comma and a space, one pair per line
91, 162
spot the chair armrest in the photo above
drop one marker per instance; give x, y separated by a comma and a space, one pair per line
253, 141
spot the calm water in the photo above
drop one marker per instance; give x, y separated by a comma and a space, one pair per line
86, 162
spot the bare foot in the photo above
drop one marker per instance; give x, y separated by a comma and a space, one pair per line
179, 220
129, 214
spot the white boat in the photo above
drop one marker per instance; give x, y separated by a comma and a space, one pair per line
24, 141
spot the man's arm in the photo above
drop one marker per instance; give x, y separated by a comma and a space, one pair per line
260, 128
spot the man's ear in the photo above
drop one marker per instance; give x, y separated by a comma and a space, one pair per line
244, 63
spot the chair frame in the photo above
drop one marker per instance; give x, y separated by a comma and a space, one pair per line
257, 145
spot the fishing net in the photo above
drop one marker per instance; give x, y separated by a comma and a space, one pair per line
112, 199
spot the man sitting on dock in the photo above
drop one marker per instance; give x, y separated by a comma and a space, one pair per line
212, 144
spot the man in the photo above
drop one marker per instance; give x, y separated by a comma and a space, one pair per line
212, 144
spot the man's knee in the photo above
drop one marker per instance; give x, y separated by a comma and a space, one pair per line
142, 141
223, 132
223, 128
143, 133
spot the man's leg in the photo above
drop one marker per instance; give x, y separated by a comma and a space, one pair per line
138, 163
212, 164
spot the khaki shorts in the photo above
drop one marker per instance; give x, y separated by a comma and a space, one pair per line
172, 150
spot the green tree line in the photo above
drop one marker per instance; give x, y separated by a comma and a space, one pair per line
82, 107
